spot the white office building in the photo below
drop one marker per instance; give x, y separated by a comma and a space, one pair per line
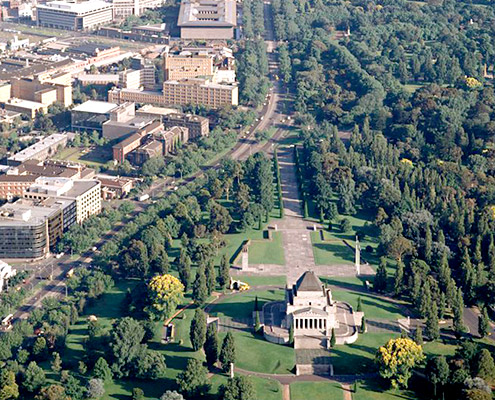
74, 16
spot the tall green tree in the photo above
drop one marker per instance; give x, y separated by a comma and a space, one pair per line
380, 283
197, 331
200, 289
238, 388
193, 381
437, 372
224, 273
211, 345
227, 353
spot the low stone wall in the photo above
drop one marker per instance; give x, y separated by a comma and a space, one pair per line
347, 339
273, 337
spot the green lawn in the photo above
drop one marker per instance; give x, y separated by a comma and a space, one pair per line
439, 349
97, 156
255, 354
316, 391
358, 358
266, 389
235, 240
241, 305
267, 251
332, 250
374, 306
372, 389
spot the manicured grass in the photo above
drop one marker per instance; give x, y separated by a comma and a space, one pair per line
97, 156
316, 391
373, 390
358, 358
255, 354
332, 250
374, 306
439, 349
267, 251
241, 305
273, 248
266, 389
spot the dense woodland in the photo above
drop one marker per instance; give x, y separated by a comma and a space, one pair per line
409, 87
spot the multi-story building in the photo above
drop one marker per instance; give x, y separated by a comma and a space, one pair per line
196, 125
124, 121
124, 8
85, 193
200, 91
28, 229
25, 107
12, 186
98, 79
183, 92
40, 150
186, 65
74, 16
44, 89
130, 79
148, 71
141, 146
91, 115
114, 187
207, 19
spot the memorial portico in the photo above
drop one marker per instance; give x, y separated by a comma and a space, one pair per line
309, 307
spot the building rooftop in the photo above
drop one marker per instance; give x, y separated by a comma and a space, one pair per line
308, 282
34, 149
109, 78
32, 105
131, 139
97, 107
77, 8
80, 187
25, 212
204, 82
148, 108
206, 13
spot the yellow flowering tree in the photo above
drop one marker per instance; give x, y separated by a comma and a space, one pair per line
165, 292
397, 359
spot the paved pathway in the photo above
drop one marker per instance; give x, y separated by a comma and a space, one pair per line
296, 233
286, 392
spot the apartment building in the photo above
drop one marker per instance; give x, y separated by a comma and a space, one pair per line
75, 16
207, 19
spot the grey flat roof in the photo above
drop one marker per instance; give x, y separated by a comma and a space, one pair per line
96, 107
79, 188
34, 149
